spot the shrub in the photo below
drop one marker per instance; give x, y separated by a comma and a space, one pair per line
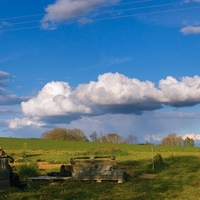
158, 164
27, 170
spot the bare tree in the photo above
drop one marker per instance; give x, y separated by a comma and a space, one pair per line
113, 138
131, 139
172, 140
94, 136
110, 138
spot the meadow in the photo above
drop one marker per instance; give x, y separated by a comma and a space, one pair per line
176, 177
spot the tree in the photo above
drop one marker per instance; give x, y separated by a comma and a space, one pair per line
188, 142
55, 134
132, 139
65, 134
172, 140
108, 138
78, 135
94, 136
113, 138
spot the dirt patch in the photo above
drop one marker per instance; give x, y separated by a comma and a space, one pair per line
47, 166
149, 176
41, 165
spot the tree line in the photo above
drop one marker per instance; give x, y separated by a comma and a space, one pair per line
113, 138
177, 140
78, 135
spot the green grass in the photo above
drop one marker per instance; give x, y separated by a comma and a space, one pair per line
178, 176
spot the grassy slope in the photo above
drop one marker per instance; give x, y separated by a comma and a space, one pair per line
180, 179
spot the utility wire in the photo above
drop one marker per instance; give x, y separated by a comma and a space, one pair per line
42, 14
112, 11
139, 8
18, 29
149, 13
114, 17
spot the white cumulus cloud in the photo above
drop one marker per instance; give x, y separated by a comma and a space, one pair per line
53, 100
112, 93
63, 10
19, 123
193, 136
190, 30
180, 93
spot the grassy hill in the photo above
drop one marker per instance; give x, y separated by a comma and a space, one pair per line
176, 177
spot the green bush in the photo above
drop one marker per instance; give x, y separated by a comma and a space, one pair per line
156, 165
158, 162
27, 170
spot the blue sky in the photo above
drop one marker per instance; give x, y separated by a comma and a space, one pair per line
128, 67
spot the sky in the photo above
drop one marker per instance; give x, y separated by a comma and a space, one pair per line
110, 66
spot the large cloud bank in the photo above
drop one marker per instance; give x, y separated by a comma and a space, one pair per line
112, 93
63, 10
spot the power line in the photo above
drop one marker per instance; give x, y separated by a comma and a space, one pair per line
109, 18
41, 14
21, 17
18, 29
112, 11
149, 13
139, 8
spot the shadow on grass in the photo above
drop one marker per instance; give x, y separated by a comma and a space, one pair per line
27, 158
172, 178
32, 155
169, 184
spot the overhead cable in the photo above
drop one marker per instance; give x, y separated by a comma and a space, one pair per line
109, 18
